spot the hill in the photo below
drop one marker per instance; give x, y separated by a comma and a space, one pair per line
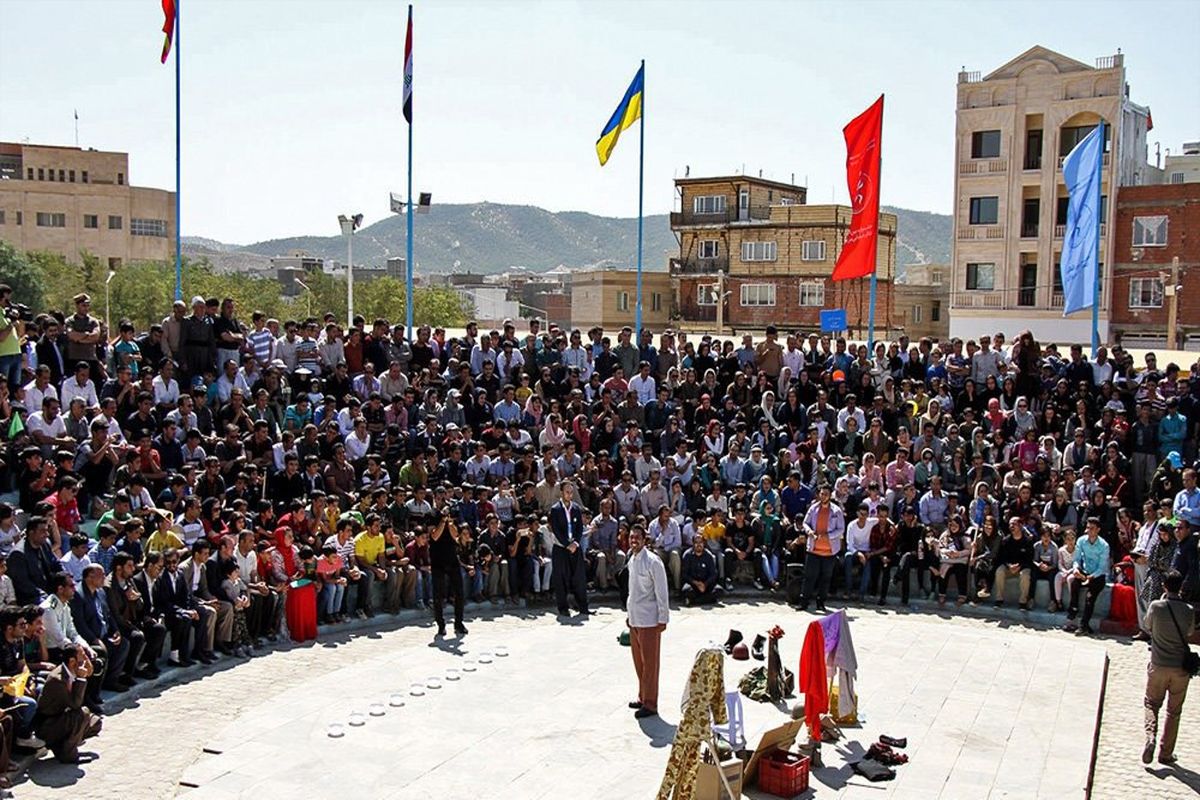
490, 237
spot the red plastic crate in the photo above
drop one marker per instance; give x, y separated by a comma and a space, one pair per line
783, 773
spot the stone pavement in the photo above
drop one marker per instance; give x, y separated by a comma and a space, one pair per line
552, 714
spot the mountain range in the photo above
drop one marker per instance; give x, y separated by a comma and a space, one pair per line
491, 237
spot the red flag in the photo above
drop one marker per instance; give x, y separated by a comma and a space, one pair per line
408, 70
864, 136
168, 7
1149, 120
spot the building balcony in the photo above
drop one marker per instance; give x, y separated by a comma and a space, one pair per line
730, 216
1063, 158
1029, 230
1060, 231
981, 232
1016, 299
983, 166
693, 265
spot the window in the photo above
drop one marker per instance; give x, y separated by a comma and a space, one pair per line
758, 294
1069, 137
20, 218
1176, 177
622, 301
1145, 293
985, 210
91, 221
114, 263
114, 222
1, 216
29, 174
148, 227
812, 293
789, 201
709, 204
981, 277
916, 314
84, 176
758, 251
706, 294
985, 144
120, 179
1150, 231
50, 173
935, 277
710, 248
71, 176
813, 250
935, 311
656, 302
46, 219
62, 176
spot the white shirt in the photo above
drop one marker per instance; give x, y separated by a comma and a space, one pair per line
165, 393
34, 395
60, 628
71, 389
858, 538
648, 605
55, 429
645, 388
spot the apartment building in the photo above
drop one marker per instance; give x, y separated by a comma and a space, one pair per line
1013, 128
67, 200
1155, 225
758, 243
922, 301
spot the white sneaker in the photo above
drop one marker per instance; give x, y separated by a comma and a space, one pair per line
31, 742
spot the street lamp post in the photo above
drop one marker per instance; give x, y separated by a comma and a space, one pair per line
349, 225
308, 289
108, 300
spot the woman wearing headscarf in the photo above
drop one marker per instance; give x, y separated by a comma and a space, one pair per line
583, 436
301, 601
553, 434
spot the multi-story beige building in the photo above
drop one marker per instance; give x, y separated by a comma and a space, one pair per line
1014, 126
608, 298
771, 255
922, 301
68, 201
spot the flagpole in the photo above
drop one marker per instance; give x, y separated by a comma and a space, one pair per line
875, 254
408, 260
178, 235
637, 325
1099, 227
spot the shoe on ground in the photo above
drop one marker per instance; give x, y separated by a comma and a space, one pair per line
1170, 760
96, 708
759, 585
821, 607
644, 712
1085, 630
32, 742
146, 673
1023, 606
1148, 751
756, 650
461, 630
636, 704
983, 594
441, 631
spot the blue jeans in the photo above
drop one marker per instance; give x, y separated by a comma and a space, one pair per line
770, 567
23, 709
332, 595
848, 563
10, 368
473, 586
424, 588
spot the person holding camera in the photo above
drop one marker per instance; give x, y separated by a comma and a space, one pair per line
12, 330
65, 719
443, 553
1171, 623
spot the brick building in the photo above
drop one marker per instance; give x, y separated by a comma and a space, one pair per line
773, 255
608, 297
1155, 224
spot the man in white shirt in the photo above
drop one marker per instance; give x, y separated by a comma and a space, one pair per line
643, 383
858, 548
166, 388
39, 389
79, 385
648, 614
48, 428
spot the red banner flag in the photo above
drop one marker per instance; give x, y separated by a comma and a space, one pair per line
864, 136
168, 7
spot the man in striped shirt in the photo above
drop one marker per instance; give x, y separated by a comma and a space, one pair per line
261, 341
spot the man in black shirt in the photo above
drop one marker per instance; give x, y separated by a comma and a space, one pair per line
910, 547
443, 553
741, 544
1015, 560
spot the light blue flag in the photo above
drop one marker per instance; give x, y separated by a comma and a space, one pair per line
1080, 256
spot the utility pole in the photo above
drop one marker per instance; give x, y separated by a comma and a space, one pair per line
720, 303
1171, 290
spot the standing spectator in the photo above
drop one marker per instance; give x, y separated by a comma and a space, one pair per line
1171, 623
648, 614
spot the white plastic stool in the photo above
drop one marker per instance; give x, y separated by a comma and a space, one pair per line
735, 733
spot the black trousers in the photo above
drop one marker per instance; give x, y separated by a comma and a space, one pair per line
447, 578
262, 617
1095, 586
959, 573
818, 573
882, 572
754, 558
569, 575
909, 562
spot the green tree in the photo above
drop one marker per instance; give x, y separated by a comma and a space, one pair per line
26, 279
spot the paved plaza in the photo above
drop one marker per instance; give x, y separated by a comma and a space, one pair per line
990, 710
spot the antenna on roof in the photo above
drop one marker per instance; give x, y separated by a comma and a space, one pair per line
687, 170
760, 173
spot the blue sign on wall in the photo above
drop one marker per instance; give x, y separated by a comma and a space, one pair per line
833, 320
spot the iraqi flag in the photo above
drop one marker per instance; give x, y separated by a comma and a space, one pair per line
864, 136
408, 70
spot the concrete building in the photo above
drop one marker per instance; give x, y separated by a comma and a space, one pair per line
67, 200
1183, 167
491, 304
922, 301
1154, 225
1014, 126
608, 297
771, 254
292, 267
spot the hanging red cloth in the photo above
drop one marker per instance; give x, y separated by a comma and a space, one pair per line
813, 680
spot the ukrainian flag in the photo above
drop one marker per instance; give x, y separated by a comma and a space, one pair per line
629, 111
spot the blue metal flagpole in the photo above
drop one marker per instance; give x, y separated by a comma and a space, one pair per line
875, 258
637, 325
178, 234
871, 318
408, 258
1099, 223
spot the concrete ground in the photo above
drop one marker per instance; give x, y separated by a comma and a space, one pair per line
991, 709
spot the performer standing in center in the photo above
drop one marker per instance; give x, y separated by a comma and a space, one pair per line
648, 611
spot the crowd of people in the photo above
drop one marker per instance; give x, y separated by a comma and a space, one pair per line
187, 491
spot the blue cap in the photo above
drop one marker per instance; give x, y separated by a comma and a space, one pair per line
1175, 459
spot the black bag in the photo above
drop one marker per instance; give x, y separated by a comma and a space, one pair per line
1191, 659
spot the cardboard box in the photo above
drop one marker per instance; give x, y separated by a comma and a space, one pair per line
783, 736
708, 781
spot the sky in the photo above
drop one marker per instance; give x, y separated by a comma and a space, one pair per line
291, 108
